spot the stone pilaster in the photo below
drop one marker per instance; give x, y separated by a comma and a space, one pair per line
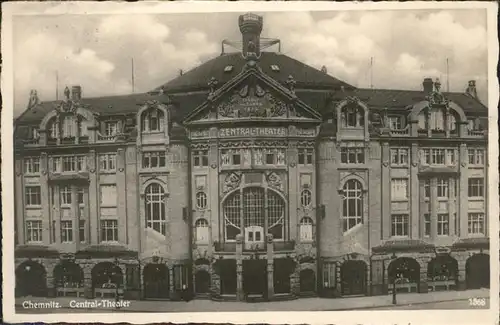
56, 212
121, 191
386, 191
19, 198
87, 280
49, 268
461, 276
75, 216
452, 206
293, 189
240, 294
433, 204
270, 267
45, 200
415, 198
94, 213
463, 196
172, 292
422, 207
423, 287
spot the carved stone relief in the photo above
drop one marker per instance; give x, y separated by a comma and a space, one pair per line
231, 182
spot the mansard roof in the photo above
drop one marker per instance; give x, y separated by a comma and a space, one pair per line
284, 66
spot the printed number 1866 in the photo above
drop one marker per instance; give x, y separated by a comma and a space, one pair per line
477, 302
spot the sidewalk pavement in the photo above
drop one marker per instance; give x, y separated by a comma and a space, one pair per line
302, 304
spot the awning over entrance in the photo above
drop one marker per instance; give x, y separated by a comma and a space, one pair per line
35, 251
408, 245
471, 243
106, 251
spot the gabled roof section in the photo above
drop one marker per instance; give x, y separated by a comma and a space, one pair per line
245, 75
305, 75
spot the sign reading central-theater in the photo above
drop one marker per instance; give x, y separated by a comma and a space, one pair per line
251, 132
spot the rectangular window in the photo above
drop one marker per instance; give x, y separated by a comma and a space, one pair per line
81, 231
69, 164
450, 157
443, 187
34, 231
65, 195
426, 157
476, 223
399, 189
108, 196
109, 230
110, 128
80, 195
33, 196
427, 225
399, 156
305, 156
153, 159
354, 155
396, 122
66, 231
107, 162
236, 155
180, 277
329, 275
438, 156
400, 225
443, 224
81, 163
32, 165
476, 157
476, 187
231, 157
200, 158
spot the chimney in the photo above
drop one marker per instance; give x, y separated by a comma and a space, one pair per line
471, 89
428, 85
250, 28
76, 93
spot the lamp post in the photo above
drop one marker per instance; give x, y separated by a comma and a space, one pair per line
394, 300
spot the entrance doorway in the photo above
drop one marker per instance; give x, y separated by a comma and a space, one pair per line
255, 277
283, 268
307, 281
202, 282
156, 281
227, 272
477, 271
353, 277
31, 280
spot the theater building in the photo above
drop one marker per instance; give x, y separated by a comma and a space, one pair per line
252, 176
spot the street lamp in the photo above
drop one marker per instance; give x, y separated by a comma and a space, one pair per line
394, 301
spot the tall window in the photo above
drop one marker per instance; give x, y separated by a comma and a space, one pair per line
33, 196
352, 208
400, 225
110, 128
443, 187
200, 158
437, 119
452, 123
232, 206
81, 231
476, 223
352, 116
399, 156
436, 157
152, 120
80, 195
306, 229
396, 122
66, 231
443, 224
201, 227
65, 192
305, 156
427, 225
476, 157
201, 200
109, 230
305, 198
329, 275
399, 189
156, 208
476, 187
107, 162
153, 159
180, 276
352, 155
34, 231
32, 165
69, 127
450, 157
54, 130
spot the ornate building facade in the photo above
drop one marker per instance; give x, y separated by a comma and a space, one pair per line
252, 176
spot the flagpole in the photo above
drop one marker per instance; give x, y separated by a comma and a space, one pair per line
133, 81
57, 85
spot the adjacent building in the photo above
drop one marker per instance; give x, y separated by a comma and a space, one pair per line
252, 176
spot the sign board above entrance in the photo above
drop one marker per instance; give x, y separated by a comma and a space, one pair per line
252, 132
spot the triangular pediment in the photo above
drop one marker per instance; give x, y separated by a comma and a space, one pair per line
252, 95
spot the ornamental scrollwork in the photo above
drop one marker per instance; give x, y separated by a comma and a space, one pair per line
231, 182
236, 144
274, 180
270, 143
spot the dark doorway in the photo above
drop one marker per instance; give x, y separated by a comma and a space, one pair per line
227, 272
442, 273
283, 268
31, 280
156, 281
107, 275
255, 277
307, 281
477, 271
68, 275
202, 282
405, 273
353, 277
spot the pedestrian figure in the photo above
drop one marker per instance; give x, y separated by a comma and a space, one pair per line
184, 294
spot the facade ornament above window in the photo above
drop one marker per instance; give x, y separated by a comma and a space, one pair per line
436, 97
274, 180
231, 182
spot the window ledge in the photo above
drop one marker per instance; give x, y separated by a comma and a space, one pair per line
109, 242
400, 237
152, 132
35, 242
107, 171
399, 200
476, 198
33, 207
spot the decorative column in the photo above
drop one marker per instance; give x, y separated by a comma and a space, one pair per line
240, 294
87, 280
461, 276
386, 191
270, 267
433, 204
292, 156
415, 196
49, 268
172, 293
423, 287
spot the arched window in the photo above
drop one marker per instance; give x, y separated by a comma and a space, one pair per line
437, 119
352, 116
305, 198
255, 207
155, 208
352, 204
452, 122
201, 200
54, 129
306, 229
201, 227
152, 120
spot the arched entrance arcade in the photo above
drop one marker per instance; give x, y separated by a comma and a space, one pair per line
404, 275
477, 271
31, 280
353, 277
156, 281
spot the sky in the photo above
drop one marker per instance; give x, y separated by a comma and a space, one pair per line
96, 51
